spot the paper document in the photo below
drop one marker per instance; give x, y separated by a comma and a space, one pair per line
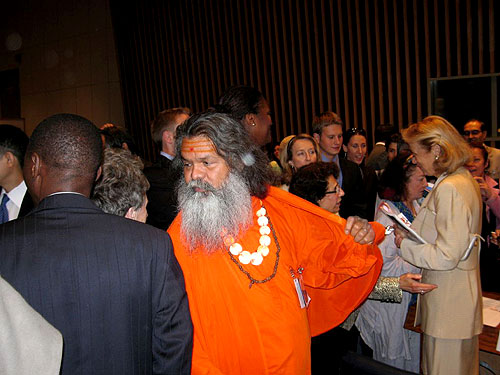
401, 220
491, 312
406, 224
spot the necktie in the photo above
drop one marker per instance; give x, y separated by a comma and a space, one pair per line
4, 214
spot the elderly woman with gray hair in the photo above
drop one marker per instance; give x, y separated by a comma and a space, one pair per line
121, 188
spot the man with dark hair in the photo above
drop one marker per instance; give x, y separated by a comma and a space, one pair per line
475, 132
15, 201
328, 130
110, 285
162, 177
117, 137
249, 251
377, 159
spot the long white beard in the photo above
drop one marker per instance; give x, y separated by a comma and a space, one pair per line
208, 216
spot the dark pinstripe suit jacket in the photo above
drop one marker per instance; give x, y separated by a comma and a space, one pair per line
110, 285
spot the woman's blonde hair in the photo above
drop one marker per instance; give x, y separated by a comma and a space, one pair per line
435, 130
286, 155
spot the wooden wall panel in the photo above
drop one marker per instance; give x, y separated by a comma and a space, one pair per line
368, 60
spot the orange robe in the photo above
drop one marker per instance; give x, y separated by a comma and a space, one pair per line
262, 329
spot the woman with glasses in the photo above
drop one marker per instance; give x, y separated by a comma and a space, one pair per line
381, 324
317, 183
300, 150
449, 221
355, 149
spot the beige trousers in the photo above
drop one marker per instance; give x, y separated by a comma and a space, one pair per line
450, 357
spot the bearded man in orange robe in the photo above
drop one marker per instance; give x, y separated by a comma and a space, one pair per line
253, 255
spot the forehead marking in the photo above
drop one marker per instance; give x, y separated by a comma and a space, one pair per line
197, 145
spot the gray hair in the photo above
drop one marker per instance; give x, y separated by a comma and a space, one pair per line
233, 143
122, 184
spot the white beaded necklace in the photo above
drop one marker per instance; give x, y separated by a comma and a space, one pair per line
262, 251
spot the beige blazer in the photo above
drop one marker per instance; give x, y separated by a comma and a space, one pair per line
448, 219
28, 344
494, 159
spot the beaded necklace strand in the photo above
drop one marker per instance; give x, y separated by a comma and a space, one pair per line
260, 214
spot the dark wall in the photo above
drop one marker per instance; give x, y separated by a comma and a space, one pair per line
368, 60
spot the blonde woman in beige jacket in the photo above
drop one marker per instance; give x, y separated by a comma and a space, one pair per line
448, 220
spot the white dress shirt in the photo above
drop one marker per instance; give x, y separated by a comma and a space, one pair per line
16, 197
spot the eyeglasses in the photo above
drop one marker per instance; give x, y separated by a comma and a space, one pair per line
336, 190
357, 131
472, 132
410, 160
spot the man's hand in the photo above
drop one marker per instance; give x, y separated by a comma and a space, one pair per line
360, 229
495, 237
410, 283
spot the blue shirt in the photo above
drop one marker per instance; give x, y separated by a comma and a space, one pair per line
335, 160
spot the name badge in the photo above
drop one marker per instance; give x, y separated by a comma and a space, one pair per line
302, 295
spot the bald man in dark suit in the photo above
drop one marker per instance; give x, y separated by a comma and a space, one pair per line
112, 286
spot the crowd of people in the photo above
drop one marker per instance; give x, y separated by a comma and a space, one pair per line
255, 266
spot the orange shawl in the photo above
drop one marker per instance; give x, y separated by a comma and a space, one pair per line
262, 329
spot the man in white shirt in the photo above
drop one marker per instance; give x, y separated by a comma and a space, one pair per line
15, 200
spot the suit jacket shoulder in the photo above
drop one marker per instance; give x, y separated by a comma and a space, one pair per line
377, 158
112, 287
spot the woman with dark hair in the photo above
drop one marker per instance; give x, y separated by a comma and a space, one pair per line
488, 261
247, 105
355, 148
381, 324
317, 183
300, 150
